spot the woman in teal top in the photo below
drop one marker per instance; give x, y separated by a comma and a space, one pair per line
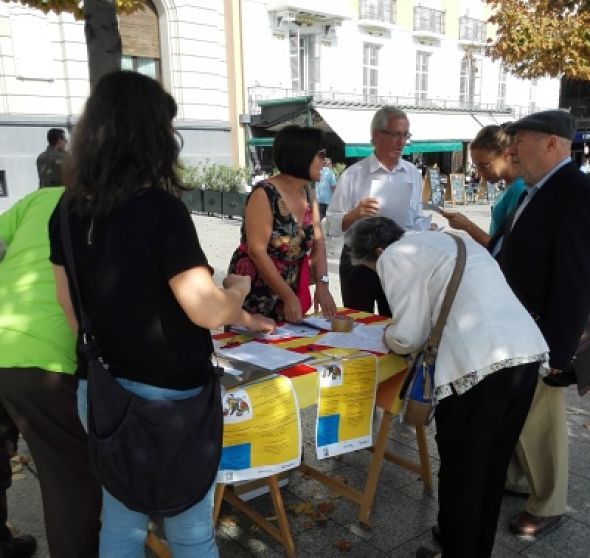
489, 154
506, 202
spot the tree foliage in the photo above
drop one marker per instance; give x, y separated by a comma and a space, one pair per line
75, 7
535, 38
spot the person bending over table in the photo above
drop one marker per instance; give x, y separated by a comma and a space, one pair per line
486, 368
281, 232
491, 157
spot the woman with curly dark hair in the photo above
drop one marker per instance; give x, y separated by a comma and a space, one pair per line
144, 279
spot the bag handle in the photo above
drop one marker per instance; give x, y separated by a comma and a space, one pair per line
436, 333
66, 240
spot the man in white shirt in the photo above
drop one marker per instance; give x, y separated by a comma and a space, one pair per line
382, 184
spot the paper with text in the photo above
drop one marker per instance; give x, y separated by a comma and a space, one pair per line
394, 199
262, 431
345, 406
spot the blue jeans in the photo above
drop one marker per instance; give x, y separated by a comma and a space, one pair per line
123, 533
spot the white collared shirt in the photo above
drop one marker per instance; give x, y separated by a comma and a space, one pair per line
354, 185
487, 328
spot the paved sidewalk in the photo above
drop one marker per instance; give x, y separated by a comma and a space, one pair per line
403, 511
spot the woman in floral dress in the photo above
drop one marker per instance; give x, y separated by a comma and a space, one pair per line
281, 234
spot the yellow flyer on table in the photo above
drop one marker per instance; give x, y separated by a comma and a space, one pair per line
345, 405
262, 430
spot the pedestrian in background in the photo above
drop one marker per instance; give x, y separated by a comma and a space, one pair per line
49, 162
325, 187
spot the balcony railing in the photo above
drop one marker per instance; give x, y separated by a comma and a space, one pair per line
471, 29
427, 19
342, 99
378, 10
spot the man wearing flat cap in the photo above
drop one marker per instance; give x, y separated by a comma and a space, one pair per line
544, 252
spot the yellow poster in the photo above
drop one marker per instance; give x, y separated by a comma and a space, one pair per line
262, 430
345, 405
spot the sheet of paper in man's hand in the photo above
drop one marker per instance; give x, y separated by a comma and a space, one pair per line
394, 199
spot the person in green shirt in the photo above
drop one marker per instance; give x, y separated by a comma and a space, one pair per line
37, 382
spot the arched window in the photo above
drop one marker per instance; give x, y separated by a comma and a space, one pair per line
140, 38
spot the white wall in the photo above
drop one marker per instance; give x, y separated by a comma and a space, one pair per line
267, 60
44, 82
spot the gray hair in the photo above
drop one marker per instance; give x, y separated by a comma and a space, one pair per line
367, 235
381, 117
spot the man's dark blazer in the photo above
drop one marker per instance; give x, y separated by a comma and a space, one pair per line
546, 260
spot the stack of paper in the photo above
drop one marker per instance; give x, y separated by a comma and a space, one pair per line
264, 356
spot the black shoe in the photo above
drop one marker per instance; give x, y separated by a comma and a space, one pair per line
563, 379
23, 546
436, 534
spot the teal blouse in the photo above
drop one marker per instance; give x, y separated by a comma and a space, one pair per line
505, 203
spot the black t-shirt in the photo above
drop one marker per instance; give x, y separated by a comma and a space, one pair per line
123, 267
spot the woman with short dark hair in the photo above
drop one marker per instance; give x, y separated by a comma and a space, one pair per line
281, 233
486, 367
144, 279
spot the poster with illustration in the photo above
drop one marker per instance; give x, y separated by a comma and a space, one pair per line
262, 430
345, 405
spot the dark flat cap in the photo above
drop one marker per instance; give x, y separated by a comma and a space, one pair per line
557, 122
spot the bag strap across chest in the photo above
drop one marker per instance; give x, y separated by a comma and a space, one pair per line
436, 333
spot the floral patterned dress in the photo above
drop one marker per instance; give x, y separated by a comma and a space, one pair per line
289, 243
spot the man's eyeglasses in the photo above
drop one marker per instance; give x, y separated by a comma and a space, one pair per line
397, 135
321, 154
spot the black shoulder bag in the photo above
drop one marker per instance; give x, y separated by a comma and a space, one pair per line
158, 457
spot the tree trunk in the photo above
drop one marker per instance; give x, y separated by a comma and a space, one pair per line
103, 41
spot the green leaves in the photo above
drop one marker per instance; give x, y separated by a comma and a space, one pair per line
213, 176
75, 7
536, 38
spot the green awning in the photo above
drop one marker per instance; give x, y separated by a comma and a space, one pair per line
366, 149
261, 142
433, 146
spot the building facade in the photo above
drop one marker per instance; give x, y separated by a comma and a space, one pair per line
333, 63
242, 69
44, 79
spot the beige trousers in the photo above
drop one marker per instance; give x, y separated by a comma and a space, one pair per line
539, 464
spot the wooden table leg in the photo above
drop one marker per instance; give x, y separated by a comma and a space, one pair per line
425, 467
283, 533
279, 506
218, 499
375, 469
366, 497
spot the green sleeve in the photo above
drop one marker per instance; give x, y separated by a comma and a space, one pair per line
10, 220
